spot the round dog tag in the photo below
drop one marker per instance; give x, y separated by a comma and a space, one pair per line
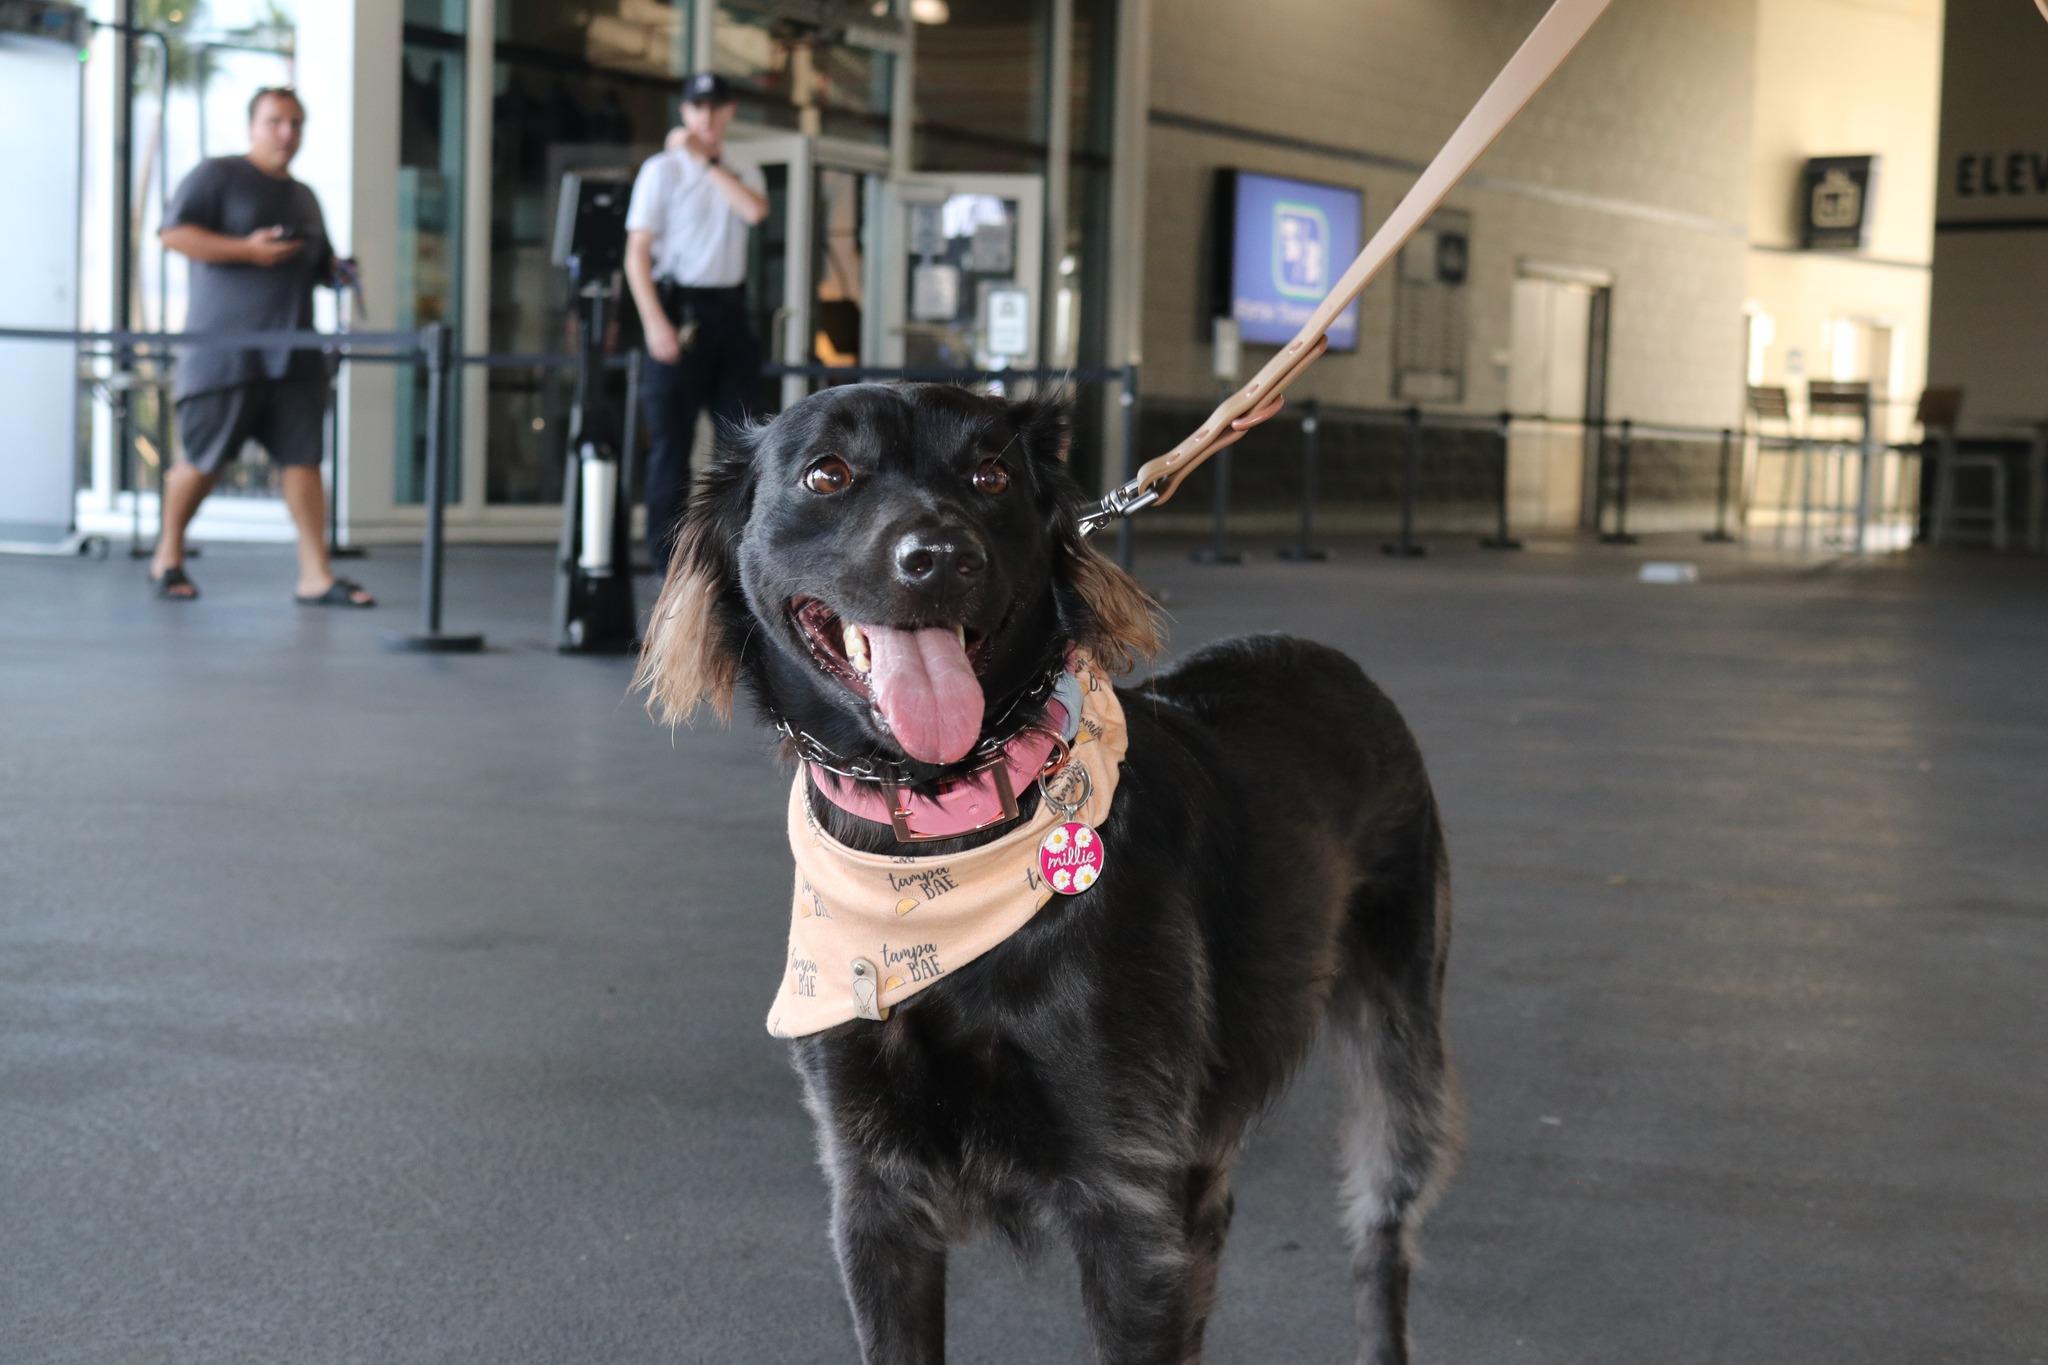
1071, 857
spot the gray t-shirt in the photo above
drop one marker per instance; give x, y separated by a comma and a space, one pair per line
229, 195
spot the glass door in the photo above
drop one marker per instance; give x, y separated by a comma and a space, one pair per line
965, 259
812, 269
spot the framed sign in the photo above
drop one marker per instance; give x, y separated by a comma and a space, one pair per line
1008, 313
1834, 202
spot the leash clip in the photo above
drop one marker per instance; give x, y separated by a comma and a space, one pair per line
1116, 504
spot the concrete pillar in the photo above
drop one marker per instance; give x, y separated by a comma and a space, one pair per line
1991, 213
348, 75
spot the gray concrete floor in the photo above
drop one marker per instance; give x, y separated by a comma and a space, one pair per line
358, 1006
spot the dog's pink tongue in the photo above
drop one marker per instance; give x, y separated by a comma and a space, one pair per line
926, 691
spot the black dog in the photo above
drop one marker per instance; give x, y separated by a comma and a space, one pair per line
1279, 861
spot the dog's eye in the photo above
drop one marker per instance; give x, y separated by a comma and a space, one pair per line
828, 476
992, 478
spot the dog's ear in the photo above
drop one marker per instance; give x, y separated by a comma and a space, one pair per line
1122, 625
1117, 622
687, 659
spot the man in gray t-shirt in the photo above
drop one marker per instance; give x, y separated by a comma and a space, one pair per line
258, 245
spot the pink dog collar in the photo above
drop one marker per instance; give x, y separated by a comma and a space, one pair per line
966, 805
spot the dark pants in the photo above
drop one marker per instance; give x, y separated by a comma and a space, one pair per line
718, 368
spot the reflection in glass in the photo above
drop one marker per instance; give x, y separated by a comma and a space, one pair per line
548, 120
797, 76
960, 248
430, 141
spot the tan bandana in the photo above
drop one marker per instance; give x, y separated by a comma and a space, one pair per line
867, 931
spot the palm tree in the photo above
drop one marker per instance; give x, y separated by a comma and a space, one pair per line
187, 71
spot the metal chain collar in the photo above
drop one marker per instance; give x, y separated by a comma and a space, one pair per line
886, 772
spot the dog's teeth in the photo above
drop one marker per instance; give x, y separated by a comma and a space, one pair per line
960, 634
856, 648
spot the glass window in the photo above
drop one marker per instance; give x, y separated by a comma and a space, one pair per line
800, 77
430, 147
443, 16
194, 108
550, 119
646, 37
979, 93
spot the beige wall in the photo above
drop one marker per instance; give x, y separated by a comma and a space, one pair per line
1844, 77
1634, 161
1666, 153
1991, 286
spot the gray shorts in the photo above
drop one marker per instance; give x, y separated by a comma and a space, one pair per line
286, 419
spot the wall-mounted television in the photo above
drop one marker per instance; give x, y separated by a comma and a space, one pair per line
1280, 244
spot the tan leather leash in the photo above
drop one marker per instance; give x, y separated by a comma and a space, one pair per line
1538, 59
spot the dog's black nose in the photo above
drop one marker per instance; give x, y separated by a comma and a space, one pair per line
930, 559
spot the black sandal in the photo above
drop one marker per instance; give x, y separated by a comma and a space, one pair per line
173, 578
340, 593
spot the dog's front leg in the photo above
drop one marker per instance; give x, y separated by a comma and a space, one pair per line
892, 1260
1137, 1274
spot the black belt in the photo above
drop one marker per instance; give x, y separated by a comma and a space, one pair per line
708, 293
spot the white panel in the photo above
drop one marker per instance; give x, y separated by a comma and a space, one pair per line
1529, 333
39, 145
1571, 331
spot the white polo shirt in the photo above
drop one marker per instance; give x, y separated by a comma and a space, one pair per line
698, 239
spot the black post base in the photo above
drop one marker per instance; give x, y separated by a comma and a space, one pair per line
1209, 554
347, 552
1404, 550
1500, 543
1303, 554
1718, 538
437, 643
1619, 538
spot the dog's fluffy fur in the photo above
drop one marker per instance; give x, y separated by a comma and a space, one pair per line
1276, 861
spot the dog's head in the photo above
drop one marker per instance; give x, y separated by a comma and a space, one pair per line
883, 567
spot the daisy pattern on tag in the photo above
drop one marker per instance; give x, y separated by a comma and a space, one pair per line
1056, 842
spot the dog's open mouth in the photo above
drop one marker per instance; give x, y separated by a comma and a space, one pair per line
923, 680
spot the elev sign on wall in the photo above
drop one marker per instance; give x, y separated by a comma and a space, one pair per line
1281, 243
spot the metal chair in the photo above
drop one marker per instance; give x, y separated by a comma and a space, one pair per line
1849, 399
1939, 414
1771, 403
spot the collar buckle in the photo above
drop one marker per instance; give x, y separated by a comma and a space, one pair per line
1006, 799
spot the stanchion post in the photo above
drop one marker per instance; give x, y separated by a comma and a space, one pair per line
1304, 551
1127, 400
629, 452
1620, 535
117, 390
164, 455
1411, 473
1500, 539
2037, 496
335, 472
434, 343
1866, 464
1719, 535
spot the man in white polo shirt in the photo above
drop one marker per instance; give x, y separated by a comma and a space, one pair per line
686, 261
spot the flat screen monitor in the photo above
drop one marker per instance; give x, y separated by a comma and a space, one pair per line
590, 221
1281, 243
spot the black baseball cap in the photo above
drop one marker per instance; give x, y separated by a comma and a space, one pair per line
707, 88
